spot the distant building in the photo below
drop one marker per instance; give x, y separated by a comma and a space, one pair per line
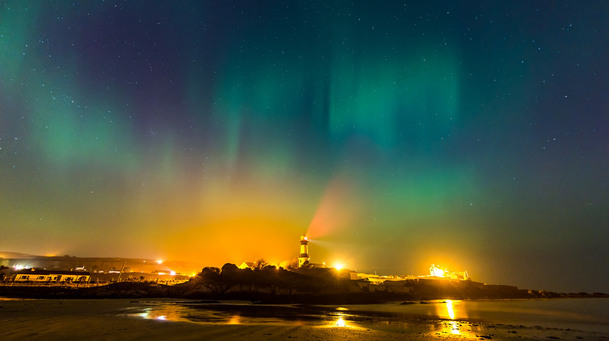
438, 271
378, 279
247, 265
52, 276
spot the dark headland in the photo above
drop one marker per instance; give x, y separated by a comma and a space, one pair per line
277, 285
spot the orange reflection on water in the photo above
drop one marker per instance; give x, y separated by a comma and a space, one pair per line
454, 327
460, 329
162, 313
341, 321
450, 310
234, 319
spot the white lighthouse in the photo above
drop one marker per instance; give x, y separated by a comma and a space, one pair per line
304, 251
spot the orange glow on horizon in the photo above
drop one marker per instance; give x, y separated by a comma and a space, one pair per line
231, 223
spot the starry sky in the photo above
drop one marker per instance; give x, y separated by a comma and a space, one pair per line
473, 134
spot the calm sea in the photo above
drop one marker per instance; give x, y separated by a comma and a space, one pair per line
578, 314
591, 314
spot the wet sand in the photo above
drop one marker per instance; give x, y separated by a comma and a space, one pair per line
123, 319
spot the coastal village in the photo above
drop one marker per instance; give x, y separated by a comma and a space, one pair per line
25, 269
302, 280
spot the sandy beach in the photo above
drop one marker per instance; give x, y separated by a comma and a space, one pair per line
123, 319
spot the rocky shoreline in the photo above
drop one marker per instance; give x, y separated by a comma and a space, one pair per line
193, 290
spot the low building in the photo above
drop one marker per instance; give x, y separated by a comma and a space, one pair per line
442, 272
247, 265
55, 276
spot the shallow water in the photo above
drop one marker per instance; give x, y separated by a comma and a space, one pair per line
590, 314
577, 314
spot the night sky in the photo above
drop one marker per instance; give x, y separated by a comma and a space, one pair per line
396, 134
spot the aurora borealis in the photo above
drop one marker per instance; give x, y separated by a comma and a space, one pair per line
396, 134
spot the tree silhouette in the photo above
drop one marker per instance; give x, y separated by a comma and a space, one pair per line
210, 279
260, 264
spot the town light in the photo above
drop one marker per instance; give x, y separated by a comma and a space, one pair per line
436, 271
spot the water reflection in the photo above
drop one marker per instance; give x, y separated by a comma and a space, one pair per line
160, 313
449, 309
454, 328
234, 314
452, 311
235, 319
461, 329
449, 318
341, 322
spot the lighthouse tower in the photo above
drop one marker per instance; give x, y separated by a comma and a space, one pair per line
304, 251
